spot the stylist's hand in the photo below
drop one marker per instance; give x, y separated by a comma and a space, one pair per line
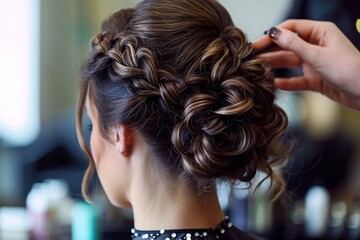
330, 62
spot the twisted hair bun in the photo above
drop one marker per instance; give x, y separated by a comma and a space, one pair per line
229, 118
174, 71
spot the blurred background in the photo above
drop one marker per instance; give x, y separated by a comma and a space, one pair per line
42, 46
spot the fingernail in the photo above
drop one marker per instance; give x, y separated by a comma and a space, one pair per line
273, 33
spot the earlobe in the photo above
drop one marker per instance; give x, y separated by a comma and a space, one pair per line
117, 137
124, 140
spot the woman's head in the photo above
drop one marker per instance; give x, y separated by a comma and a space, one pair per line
173, 70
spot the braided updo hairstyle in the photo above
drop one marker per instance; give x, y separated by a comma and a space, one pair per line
173, 70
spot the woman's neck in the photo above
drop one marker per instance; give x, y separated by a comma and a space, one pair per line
169, 205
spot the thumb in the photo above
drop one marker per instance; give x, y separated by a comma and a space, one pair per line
291, 41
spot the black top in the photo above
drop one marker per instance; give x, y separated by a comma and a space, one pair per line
224, 231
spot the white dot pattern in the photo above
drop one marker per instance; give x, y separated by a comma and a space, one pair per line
190, 234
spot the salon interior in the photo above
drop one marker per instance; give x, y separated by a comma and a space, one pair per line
42, 45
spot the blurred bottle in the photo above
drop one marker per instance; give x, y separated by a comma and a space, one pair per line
48, 204
37, 205
294, 221
338, 215
317, 201
260, 208
84, 223
353, 224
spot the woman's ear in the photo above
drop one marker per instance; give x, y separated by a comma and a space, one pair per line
124, 137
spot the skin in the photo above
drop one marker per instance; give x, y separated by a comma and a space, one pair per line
330, 62
107, 158
131, 178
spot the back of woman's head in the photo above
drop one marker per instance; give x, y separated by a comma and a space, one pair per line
173, 70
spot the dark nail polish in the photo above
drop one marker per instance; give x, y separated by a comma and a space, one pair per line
274, 33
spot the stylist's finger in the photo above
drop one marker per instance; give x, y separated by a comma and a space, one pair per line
294, 84
262, 42
305, 27
291, 41
281, 59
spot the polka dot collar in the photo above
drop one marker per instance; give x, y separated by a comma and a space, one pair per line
183, 234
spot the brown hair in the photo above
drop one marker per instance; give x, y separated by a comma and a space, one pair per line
173, 70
